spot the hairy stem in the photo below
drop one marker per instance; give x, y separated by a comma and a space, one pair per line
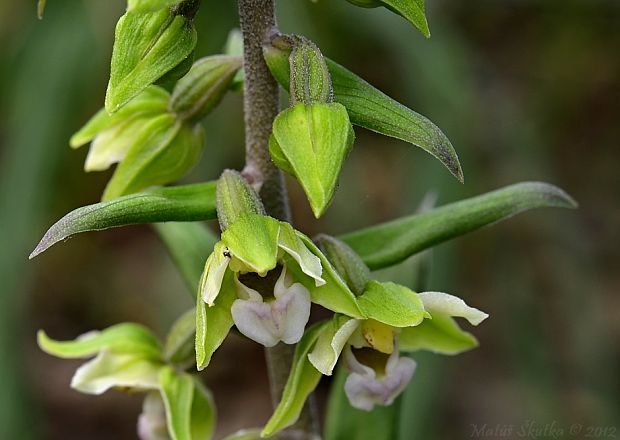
261, 105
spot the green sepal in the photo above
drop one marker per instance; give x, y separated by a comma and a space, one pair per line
331, 342
311, 142
439, 335
253, 242
180, 203
390, 243
334, 294
302, 380
41, 8
150, 5
113, 135
146, 46
234, 47
190, 411
213, 322
165, 150
126, 338
204, 86
392, 304
411, 10
370, 108
180, 342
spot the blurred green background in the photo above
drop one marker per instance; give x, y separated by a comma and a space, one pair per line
526, 90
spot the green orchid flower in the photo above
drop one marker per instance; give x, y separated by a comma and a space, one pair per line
259, 253
129, 357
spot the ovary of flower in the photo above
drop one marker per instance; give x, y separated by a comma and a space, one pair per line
268, 323
366, 388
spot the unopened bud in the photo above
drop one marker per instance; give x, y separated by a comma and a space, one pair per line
204, 86
347, 263
235, 197
310, 79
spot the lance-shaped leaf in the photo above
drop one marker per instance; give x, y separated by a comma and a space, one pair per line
204, 86
372, 109
146, 46
190, 411
126, 338
311, 142
189, 244
411, 10
150, 5
165, 150
390, 243
302, 380
180, 203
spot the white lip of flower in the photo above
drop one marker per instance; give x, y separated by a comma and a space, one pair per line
224, 257
365, 388
283, 319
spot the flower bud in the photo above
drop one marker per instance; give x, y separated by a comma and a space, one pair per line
346, 262
198, 92
146, 47
310, 79
235, 197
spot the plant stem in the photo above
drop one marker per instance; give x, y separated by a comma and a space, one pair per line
261, 105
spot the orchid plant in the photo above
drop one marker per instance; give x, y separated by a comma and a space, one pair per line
262, 276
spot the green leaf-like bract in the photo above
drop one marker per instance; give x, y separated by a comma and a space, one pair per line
146, 47
370, 108
180, 203
390, 243
411, 10
302, 380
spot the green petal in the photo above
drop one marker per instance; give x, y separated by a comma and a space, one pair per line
390, 243
309, 263
164, 151
190, 412
151, 102
109, 370
215, 269
334, 294
449, 305
146, 46
253, 239
126, 338
302, 380
213, 323
330, 343
391, 304
439, 335
312, 141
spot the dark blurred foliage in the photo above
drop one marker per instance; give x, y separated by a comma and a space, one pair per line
526, 90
